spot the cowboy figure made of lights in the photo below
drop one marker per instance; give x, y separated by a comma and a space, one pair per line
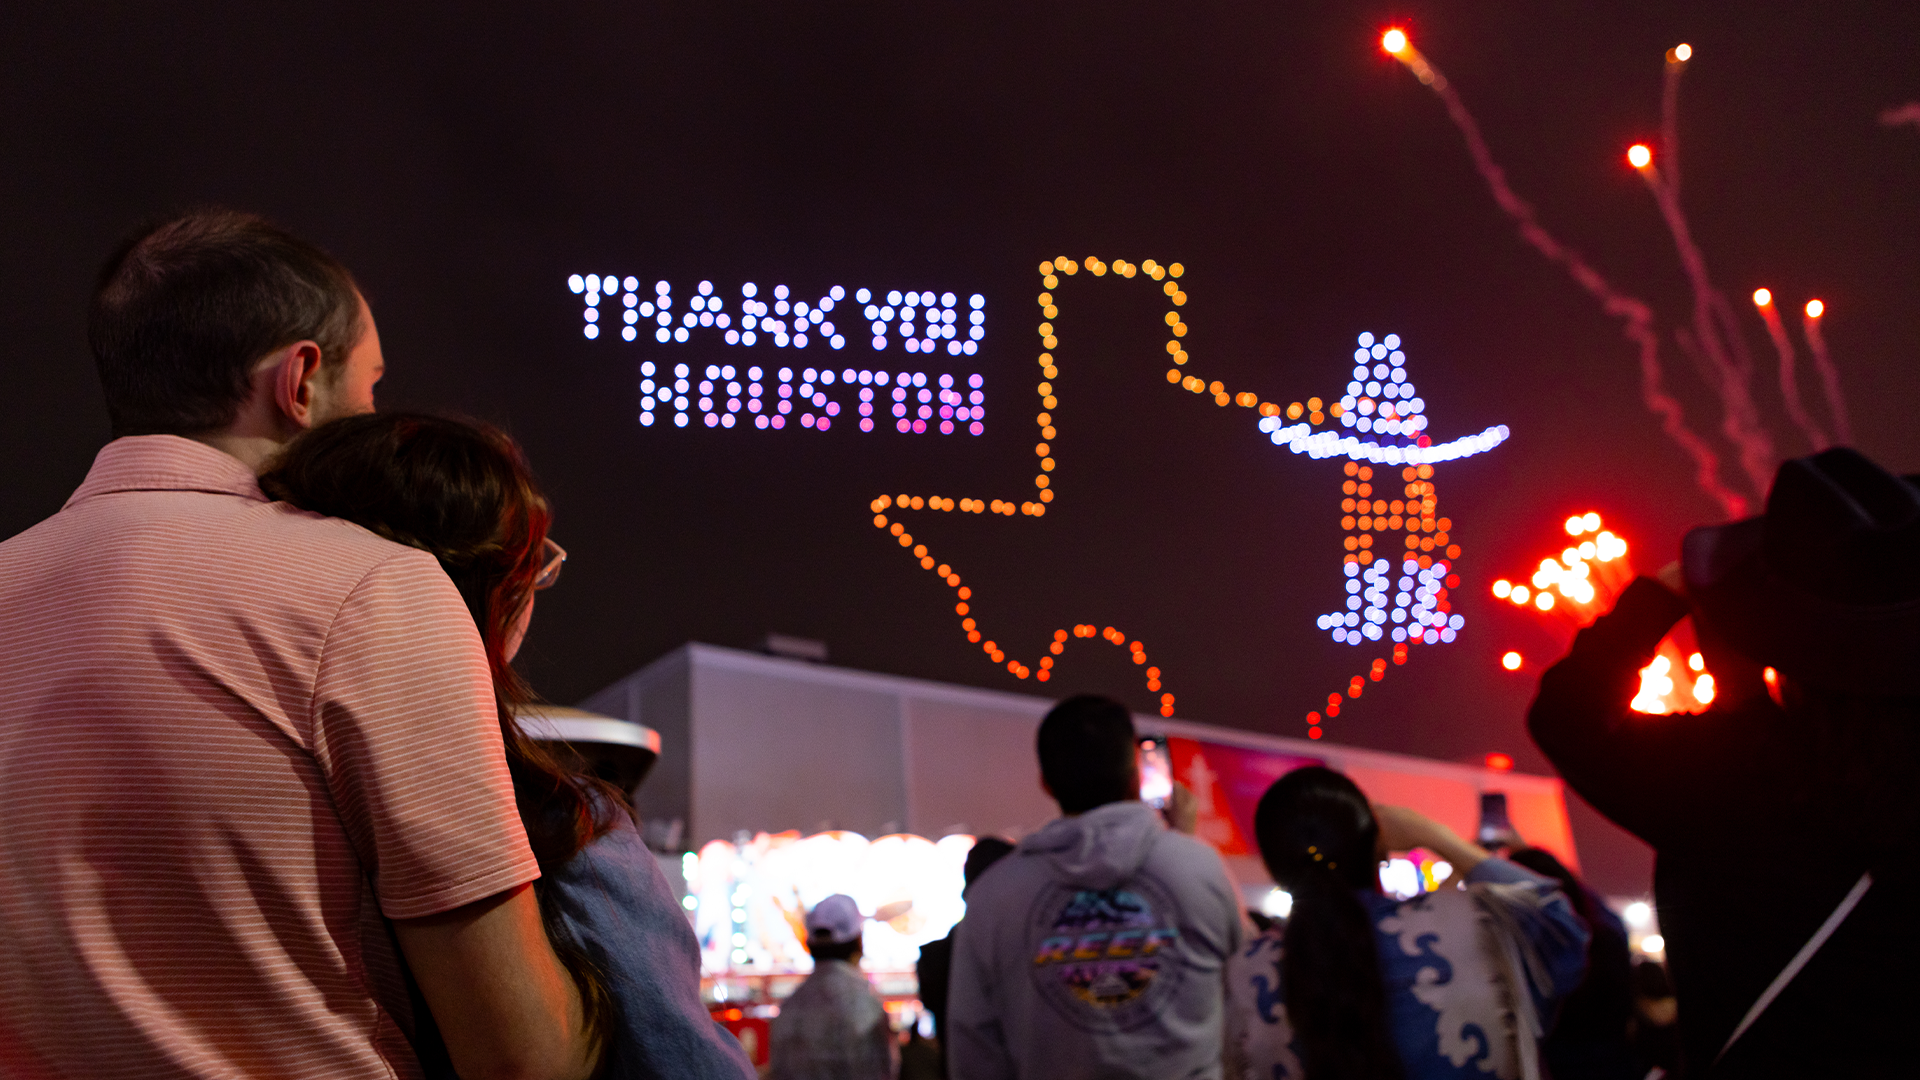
1398, 564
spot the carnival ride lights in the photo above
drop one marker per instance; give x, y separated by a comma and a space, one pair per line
749, 901
1584, 580
1712, 338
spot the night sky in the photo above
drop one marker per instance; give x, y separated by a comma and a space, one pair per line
464, 161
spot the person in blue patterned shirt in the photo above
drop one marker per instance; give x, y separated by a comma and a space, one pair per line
1356, 985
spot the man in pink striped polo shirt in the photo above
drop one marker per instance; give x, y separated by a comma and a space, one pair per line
249, 756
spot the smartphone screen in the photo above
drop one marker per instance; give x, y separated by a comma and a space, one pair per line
1156, 772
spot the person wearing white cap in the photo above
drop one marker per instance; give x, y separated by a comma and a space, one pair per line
833, 1027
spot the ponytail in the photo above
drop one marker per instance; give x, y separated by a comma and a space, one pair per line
1317, 836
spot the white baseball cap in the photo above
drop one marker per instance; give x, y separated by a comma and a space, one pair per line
837, 919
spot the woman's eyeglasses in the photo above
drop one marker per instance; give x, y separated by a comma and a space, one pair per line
550, 570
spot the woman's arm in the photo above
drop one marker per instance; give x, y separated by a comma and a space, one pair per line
1403, 829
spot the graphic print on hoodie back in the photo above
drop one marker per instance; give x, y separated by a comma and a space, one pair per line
1097, 950
1103, 961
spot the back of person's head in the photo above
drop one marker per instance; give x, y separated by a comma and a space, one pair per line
1319, 839
1088, 753
459, 490
184, 310
985, 852
465, 493
835, 928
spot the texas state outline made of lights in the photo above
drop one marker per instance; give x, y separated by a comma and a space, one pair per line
1405, 604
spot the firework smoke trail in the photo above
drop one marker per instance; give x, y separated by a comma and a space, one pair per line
1715, 328
1823, 362
1677, 58
1789, 383
1634, 314
1902, 114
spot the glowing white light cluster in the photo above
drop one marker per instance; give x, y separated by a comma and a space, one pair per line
1400, 879
1277, 904
925, 322
748, 901
1410, 603
1656, 682
722, 395
1380, 402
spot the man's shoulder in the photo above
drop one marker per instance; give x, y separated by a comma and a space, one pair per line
1187, 856
334, 550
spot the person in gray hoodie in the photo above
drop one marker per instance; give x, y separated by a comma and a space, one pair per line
1098, 949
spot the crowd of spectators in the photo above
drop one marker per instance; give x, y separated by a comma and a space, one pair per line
329, 850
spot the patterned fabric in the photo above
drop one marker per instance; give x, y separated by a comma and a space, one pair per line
233, 735
833, 1028
1449, 960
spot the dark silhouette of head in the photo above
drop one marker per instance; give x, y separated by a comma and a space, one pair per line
184, 310
1088, 756
985, 852
1319, 839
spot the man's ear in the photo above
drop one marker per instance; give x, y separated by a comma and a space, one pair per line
295, 380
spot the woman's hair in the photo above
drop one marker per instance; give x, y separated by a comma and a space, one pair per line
463, 491
1318, 838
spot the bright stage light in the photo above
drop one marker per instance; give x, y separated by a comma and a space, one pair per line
1639, 155
1394, 41
1762, 297
1815, 309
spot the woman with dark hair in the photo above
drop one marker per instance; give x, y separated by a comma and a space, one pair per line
464, 492
1358, 986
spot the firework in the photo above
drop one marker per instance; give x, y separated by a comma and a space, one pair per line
1823, 363
1789, 384
1634, 314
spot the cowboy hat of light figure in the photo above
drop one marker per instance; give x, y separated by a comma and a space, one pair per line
1397, 594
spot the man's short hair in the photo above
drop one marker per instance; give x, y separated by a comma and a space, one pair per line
184, 310
1087, 753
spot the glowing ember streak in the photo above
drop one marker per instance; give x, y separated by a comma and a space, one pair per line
1829, 377
1789, 382
1715, 336
1639, 156
1635, 315
1394, 41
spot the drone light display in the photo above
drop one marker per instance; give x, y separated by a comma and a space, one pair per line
1397, 591
1581, 582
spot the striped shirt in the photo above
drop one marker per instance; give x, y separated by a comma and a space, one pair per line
233, 736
